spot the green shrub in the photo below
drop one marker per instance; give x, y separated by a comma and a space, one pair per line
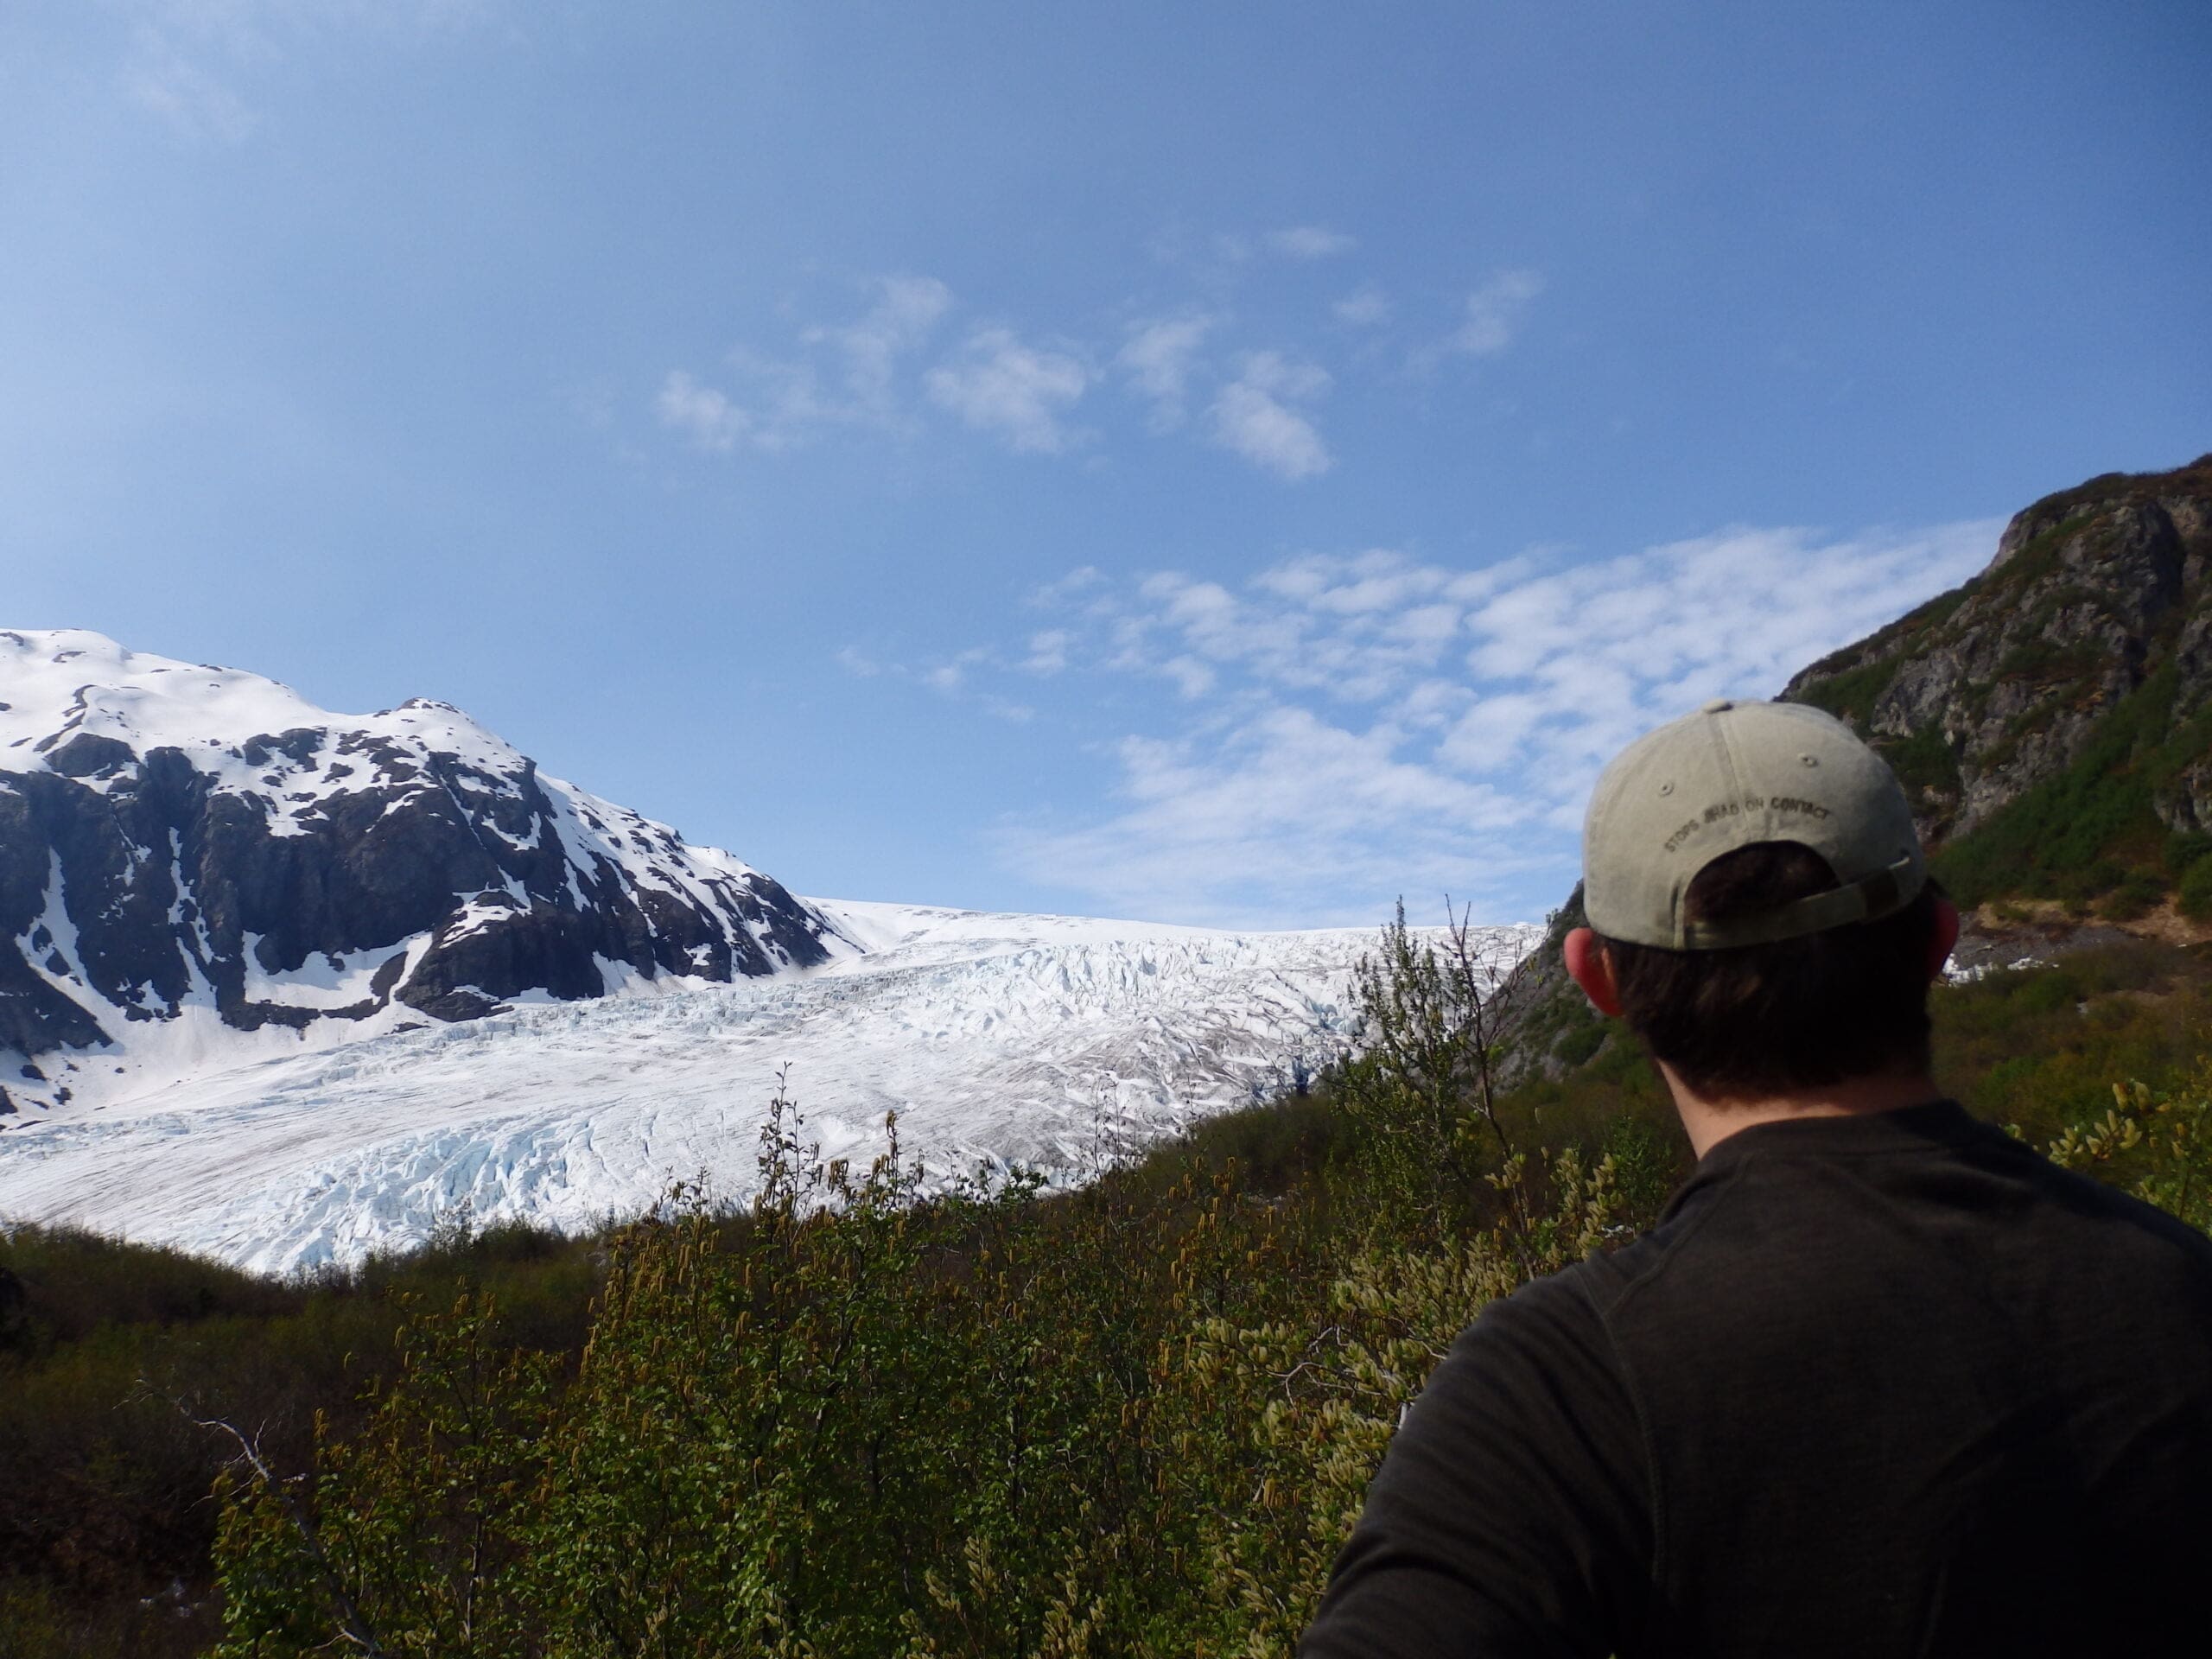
2137, 894
1580, 1043
2157, 1142
2195, 891
1136, 1417
1851, 694
2184, 848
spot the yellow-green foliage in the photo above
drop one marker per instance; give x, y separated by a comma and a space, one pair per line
2156, 1143
849, 1421
1133, 1419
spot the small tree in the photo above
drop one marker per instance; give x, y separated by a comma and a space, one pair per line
1425, 1089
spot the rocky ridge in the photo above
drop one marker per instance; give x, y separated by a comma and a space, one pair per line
182, 846
2051, 719
2096, 596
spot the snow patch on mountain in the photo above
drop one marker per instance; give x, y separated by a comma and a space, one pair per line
179, 842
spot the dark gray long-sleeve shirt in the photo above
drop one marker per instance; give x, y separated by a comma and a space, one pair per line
1882, 1385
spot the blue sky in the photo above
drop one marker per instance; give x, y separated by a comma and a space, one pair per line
1235, 463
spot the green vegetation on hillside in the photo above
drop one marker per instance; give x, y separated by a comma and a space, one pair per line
107, 1520
2092, 830
1134, 1419
2194, 478
2066, 614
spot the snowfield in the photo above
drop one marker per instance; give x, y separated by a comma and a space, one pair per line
1052, 1042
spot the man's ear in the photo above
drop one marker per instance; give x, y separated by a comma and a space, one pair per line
1589, 966
1943, 939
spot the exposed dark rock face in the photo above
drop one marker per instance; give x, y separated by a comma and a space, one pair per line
2051, 718
409, 855
2002, 684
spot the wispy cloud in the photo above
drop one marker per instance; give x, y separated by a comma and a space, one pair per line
906, 310
841, 375
189, 62
701, 413
1364, 308
1248, 823
1159, 357
889, 371
1309, 242
1065, 590
166, 79
952, 677
1048, 650
1017, 391
1375, 724
1493, 314
1257, 416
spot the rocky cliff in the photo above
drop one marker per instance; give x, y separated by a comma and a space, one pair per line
2047, 715
182, 846
2051, 719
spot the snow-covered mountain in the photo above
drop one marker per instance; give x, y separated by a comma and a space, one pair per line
191, 854
286, 986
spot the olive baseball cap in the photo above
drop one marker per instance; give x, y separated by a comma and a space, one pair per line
1730, 775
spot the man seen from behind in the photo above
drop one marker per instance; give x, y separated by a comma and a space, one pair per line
1882, 1381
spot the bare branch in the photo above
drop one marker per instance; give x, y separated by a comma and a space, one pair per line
351, 1625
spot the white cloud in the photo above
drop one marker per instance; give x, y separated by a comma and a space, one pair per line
907, 308
1372, 724
187, 59
702, 414
162, 78
1249, 824
1048, 650
1354, 629
842, 375
1084, 578
1364, 308
1157, 358
857, 663
1254, 416
1019, 392
1309, 242
1493, 313
1192, 677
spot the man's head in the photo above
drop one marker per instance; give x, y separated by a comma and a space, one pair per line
1759, 907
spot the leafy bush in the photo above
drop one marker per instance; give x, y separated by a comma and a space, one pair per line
2135, 893
2157, 1142
2194, 892
1132, 1419
1135, 1419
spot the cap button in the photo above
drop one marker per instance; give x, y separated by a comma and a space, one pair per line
1717, 706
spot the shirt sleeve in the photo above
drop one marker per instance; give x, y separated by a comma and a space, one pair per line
1511, 1514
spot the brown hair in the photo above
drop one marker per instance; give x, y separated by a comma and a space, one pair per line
1754, 1020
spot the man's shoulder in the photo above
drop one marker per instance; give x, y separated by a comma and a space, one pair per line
1568, 1309
1597, 1284
2099, 1200
2098, 1226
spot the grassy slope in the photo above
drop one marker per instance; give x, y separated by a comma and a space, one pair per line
105, 1485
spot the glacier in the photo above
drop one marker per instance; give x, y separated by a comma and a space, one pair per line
1056, 1043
